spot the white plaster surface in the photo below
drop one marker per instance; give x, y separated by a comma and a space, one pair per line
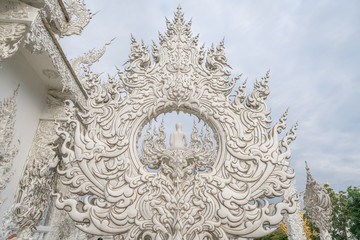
30, 102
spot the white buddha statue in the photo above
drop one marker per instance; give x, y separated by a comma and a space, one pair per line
178, 139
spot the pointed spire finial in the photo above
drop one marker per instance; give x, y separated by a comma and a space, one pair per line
307, 167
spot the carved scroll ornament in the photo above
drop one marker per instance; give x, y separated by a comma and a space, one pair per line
246, 165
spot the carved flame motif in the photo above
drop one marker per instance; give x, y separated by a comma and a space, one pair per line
318, 205
100, 159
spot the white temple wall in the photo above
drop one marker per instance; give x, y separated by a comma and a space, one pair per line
30, 101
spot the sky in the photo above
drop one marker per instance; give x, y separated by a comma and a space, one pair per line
312, 49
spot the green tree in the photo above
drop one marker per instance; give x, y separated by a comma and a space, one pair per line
340, 213
346, 213
354, 210
276, 235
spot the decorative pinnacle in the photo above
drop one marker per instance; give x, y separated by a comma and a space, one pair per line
307, 167
132, 38
179, 16
108, 43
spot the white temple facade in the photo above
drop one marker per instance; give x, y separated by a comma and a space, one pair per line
35, 78
60, 165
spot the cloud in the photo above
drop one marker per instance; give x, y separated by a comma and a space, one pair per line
311, 48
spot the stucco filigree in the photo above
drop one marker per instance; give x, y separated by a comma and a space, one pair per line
10, 9
79, 16
7, 150
11, 35
88, 59
37, 180
101, 159
318, 205
39, 39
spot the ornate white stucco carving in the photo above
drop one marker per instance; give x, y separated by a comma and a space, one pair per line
79, 16
10, 9
318, 205
7, 225
63, 228
51, 74
37, 180
39, 39
294, 222
11, 35
88, 59
7, 150
246, 164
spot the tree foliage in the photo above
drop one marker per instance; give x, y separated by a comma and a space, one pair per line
354, 210
346, 213
340, 213
276, 235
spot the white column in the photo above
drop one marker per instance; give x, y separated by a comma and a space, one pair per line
294, 222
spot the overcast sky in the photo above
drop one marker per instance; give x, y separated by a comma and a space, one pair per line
311, 47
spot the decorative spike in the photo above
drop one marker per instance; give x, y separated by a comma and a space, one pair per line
196, 39
154, 131
194, 125
179, 16
244, 84
283, 118
240, 93
237, 77
149, 128
162, 123
282, 122
132, 38
307, 167
108, 43
162, 38
265, 80
190, 22
291, 135
221, 46
119, 72
93, 14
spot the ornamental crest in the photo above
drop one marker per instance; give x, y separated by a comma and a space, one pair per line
318, 205
210, 184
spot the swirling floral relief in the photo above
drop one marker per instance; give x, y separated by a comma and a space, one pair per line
217, 188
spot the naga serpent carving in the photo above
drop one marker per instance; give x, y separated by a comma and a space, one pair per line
213, 189
318, 205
